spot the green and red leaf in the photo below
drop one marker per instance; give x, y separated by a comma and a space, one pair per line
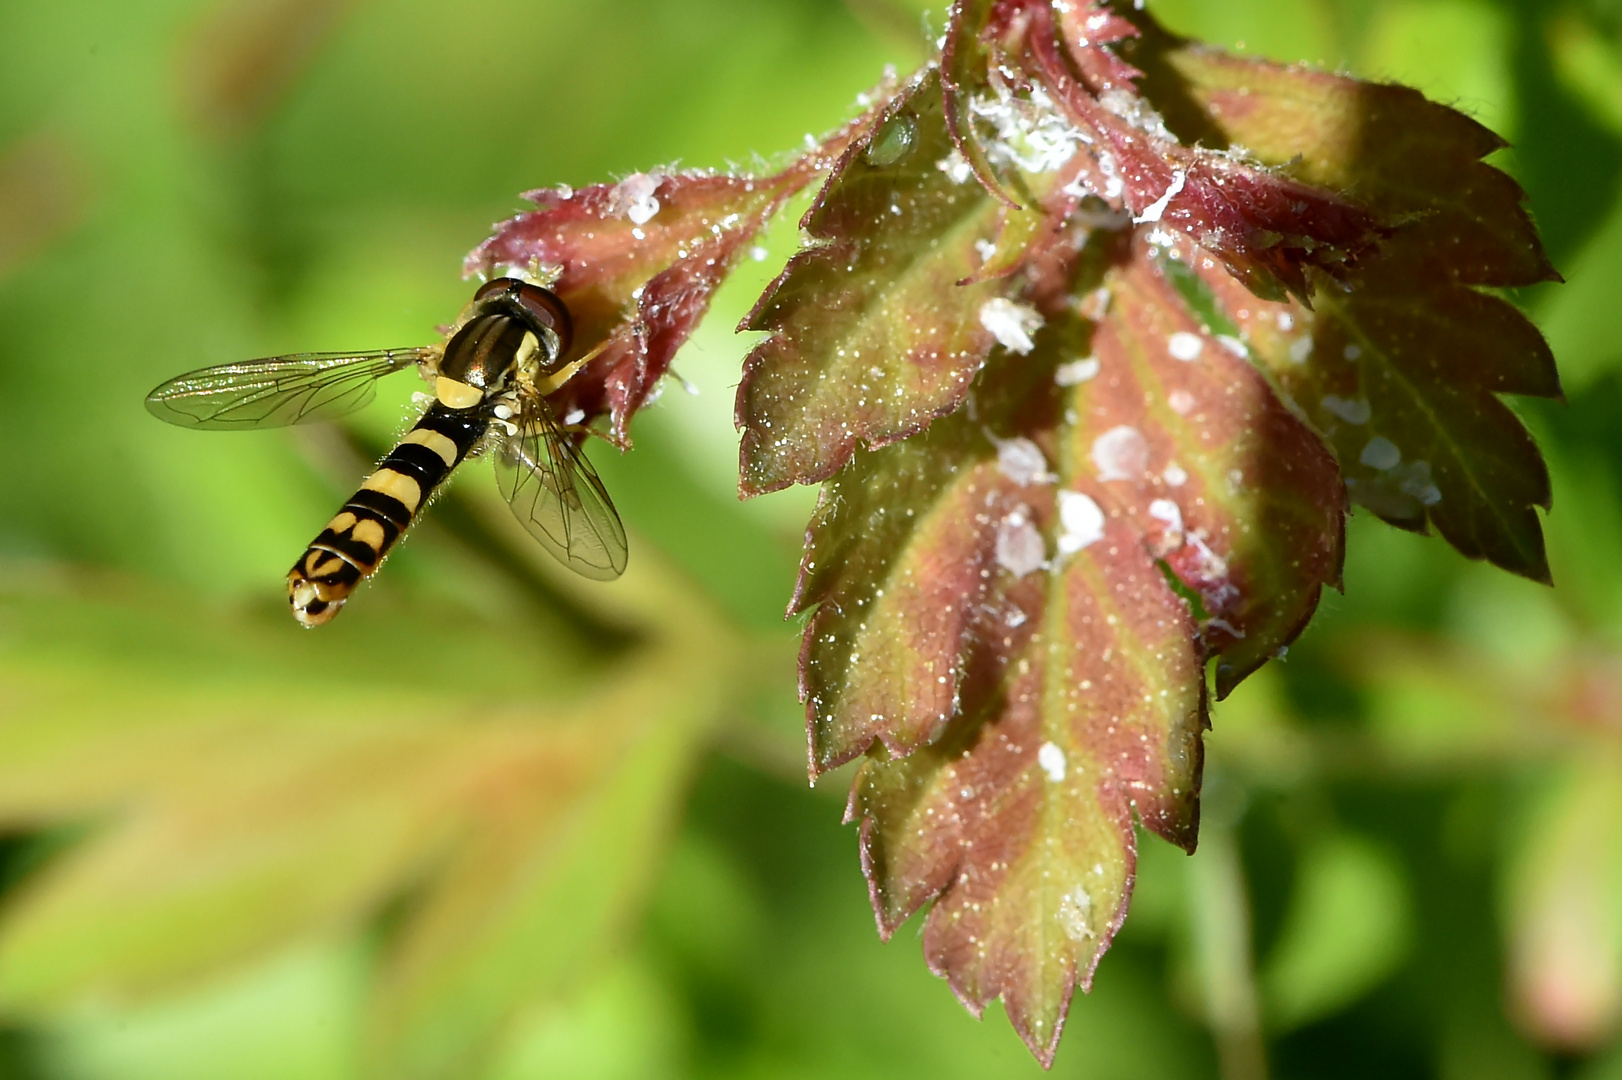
638, 262
876, 327
1092, 422
1402, 364
1003, 604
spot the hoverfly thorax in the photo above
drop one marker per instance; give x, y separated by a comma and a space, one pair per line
513, 329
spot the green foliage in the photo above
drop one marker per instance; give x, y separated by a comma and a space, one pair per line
502, 825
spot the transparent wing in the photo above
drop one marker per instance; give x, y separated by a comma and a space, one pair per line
278, 390
557, 496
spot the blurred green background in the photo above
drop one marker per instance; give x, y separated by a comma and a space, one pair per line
496, 823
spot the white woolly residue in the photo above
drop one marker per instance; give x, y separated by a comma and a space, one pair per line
1052, 760
1157, 209
1414, 479
1076, 372
1164, 510
1075, 914
1022, 461
1353, 411
634, 197
1121, 453
1082, 522
1031, 133
1185, 346
1020, 547
1132, 108
956, 167
1381, 453
1012, 324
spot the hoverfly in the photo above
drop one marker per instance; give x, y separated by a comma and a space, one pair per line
491, 377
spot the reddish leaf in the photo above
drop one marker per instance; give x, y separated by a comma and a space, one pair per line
1261, 511
1000, 603
871, 340
638, 262
1402, 364
1016, 817
1267, 228
1011, 610
1209, 278
1086, 29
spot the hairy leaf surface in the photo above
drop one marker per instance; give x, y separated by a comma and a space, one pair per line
1401, 365
1017, 606
880, 324
1246, 292
638, 262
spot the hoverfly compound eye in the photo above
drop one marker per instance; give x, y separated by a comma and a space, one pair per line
494, 286
545, 308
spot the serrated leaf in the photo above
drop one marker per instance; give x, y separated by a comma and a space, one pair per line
1267, 228
1261, 511
1086, 29
877, 326
1079, 698
1012, 607
1401, 365
1409, 159
638, 262
1006, 604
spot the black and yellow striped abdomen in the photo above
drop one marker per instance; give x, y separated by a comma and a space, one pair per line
355, 542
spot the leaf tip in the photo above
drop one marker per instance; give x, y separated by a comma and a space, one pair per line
1044, 1046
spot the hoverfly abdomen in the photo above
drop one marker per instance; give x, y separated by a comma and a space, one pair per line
355, 542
